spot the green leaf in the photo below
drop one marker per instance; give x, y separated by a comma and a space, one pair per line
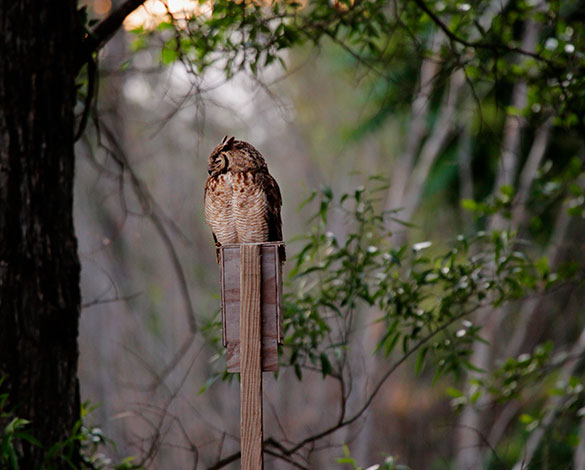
15, 424
420, 360
138, 44
298, 371
454, 393
165, 25
208, 383
507, 190
391, 329
475, 396
391, 344
29, 438
469, 204
168, 55
325, 365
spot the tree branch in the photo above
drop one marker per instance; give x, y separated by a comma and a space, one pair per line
417, 128
433, 146
477, 44
96, 39
222, 463
150, 210
579, 456
367, 403
533, 163
109, 300
553, 406
469, 452
286, 459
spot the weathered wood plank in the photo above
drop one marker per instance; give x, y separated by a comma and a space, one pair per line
250, 354
269, 309
270, 304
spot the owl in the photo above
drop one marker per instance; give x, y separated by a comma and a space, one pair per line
242, 200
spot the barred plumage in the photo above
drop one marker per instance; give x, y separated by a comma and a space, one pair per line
242, 200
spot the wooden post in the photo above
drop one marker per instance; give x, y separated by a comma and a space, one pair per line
251, 426
251, 306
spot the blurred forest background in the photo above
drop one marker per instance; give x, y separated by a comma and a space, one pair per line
455, 131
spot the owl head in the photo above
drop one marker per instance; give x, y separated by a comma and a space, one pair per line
219, 159
235, 156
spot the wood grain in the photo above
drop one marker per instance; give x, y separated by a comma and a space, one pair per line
271, 300
250, 357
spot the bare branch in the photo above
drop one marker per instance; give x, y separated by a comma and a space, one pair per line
579, 457
535, 156
286, 459
464, 166
223, 462
417, 127
310, 440
532, 307
469, 452
96, 39
95, 302
149, 208
484, 440
403, 192
174, 361
434, 144
515, 123
553, 406
477, 44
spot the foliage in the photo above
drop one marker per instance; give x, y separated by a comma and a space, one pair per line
416, 296
554, 185
389, 462
92, 441
89, 439
249, 36
420, 297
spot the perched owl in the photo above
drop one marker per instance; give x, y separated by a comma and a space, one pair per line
242, 200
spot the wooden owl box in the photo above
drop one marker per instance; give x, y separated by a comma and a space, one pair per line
268, 293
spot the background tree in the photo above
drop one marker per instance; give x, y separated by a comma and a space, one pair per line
42, 46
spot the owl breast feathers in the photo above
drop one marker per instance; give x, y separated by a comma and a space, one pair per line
242, 200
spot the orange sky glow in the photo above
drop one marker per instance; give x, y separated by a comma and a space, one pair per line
154, 12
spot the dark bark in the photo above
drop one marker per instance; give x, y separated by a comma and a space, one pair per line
39, 264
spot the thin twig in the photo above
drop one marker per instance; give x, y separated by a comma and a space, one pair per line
478, 44
149, 208
286, 459
315, 437
95, 302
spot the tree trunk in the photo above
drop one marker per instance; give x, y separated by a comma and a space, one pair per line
39, 265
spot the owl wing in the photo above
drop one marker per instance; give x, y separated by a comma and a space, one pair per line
273, 218
274, 203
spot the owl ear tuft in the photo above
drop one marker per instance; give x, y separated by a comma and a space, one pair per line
229, 143
224, 139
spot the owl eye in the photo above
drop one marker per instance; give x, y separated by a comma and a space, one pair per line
221, 161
